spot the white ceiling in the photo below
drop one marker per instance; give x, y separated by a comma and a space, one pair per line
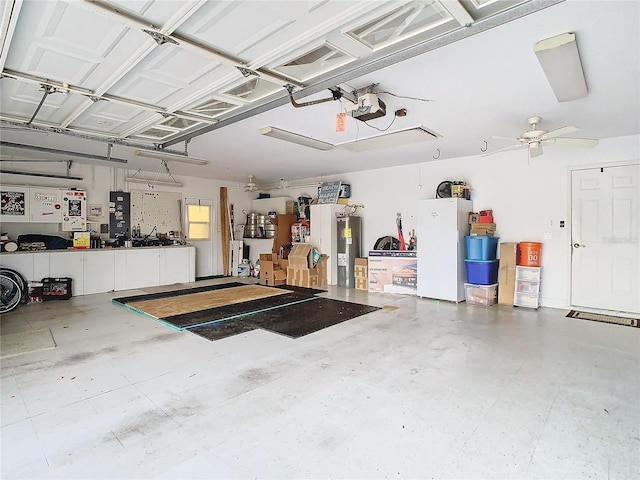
129, 90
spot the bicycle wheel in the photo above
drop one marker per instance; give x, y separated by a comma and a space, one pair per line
20, 280
10, 293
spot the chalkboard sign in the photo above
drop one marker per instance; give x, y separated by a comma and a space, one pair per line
119, 214
329, 192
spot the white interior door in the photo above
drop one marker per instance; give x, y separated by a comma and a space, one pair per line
604, 238
201, 233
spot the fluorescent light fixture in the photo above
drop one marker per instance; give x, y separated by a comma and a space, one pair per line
37, 174
170, 157
560, 61
391, 139
66, 153
152, 182
295, 138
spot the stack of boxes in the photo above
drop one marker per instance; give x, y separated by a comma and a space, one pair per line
273, 271
482, 269
519, 277
482, 223
306, 268
361, 274
528, 275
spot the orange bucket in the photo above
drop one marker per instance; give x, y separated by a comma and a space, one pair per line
528, 254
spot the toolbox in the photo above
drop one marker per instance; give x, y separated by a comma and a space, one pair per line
56, 288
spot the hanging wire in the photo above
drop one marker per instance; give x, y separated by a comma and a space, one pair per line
409, 98
382, 129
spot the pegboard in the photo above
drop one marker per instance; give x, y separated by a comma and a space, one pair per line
152, 209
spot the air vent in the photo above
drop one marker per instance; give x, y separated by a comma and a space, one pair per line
392, 139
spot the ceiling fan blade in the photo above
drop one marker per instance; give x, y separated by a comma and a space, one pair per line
510, 147
573, 142
558, 131
512, 139
535, 151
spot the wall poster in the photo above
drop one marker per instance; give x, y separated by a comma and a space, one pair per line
14, 204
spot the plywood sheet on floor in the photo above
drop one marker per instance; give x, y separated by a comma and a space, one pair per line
176, 305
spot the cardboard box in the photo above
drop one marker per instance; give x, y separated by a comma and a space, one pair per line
272, 272
508, 254
362, 283
360, 268
507, 273
393, 271
321, 267
282, 234
81, 239
506, 285
300, 256
308, 277
302, 277
486, 229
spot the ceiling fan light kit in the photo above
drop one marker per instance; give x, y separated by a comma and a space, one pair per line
561, 63
535, 138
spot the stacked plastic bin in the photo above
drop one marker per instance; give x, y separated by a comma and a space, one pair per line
482, 269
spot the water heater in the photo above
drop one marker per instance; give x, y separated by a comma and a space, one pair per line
348, 240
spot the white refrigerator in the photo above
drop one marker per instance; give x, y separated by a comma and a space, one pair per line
442, 226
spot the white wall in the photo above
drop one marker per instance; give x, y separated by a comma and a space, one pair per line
529, 198
98, 181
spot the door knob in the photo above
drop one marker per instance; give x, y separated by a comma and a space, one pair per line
577, 245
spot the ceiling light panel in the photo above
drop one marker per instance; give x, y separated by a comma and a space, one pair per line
316, 62
405, 22
391, 139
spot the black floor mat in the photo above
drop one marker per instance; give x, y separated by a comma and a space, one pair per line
597, 317
309, 291
222, 329
186, 320
307, 317
175, 293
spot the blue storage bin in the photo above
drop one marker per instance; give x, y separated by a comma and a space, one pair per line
481, 247
482, 272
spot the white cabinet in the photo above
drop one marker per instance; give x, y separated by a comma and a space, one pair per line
21, 263
442, 226
324, 233
99, 271
137, 268
68, 264
104, 270
177, 265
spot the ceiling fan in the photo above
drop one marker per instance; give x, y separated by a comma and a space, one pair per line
535, 138
251, 186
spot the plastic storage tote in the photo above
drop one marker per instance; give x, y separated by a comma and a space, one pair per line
481, 247
482, 272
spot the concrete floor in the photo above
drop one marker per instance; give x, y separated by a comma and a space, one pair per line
427, 390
